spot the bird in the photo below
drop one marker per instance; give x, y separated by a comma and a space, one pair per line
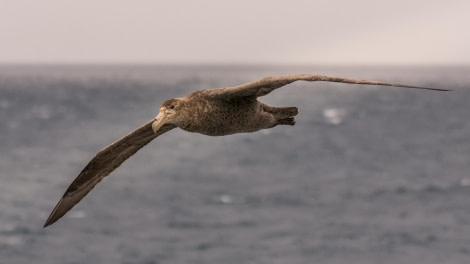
212, 112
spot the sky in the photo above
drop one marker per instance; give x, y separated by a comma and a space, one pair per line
235, 32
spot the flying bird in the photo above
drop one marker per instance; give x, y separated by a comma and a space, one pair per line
213, 112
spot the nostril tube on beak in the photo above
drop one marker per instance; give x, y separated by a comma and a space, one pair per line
159, 122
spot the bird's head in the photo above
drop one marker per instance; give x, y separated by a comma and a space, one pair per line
169, 113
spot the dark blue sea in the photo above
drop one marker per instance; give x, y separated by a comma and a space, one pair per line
367, 175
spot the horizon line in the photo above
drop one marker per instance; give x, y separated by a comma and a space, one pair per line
228, 64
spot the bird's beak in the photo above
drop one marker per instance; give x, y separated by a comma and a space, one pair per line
159, 121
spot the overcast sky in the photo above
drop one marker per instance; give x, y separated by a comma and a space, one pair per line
241, 31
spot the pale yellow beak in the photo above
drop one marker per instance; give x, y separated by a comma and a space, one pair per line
159, 121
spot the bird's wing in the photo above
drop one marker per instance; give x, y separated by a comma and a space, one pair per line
106, 161
266, 85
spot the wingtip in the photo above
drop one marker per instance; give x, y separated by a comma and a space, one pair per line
50, 221
437, 89
62, 207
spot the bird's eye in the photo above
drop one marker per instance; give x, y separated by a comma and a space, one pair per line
172, 107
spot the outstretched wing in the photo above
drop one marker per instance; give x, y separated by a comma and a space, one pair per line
106, 161
266, 85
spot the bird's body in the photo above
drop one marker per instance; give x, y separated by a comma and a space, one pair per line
213, 112
210, 114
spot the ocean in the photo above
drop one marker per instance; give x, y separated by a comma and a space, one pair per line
367, 175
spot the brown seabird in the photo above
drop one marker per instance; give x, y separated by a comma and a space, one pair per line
213, 112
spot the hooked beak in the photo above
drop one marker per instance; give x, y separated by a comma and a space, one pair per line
159, 121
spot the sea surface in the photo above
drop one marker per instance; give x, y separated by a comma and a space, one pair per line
367, 175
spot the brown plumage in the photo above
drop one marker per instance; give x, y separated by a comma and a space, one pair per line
213, 112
